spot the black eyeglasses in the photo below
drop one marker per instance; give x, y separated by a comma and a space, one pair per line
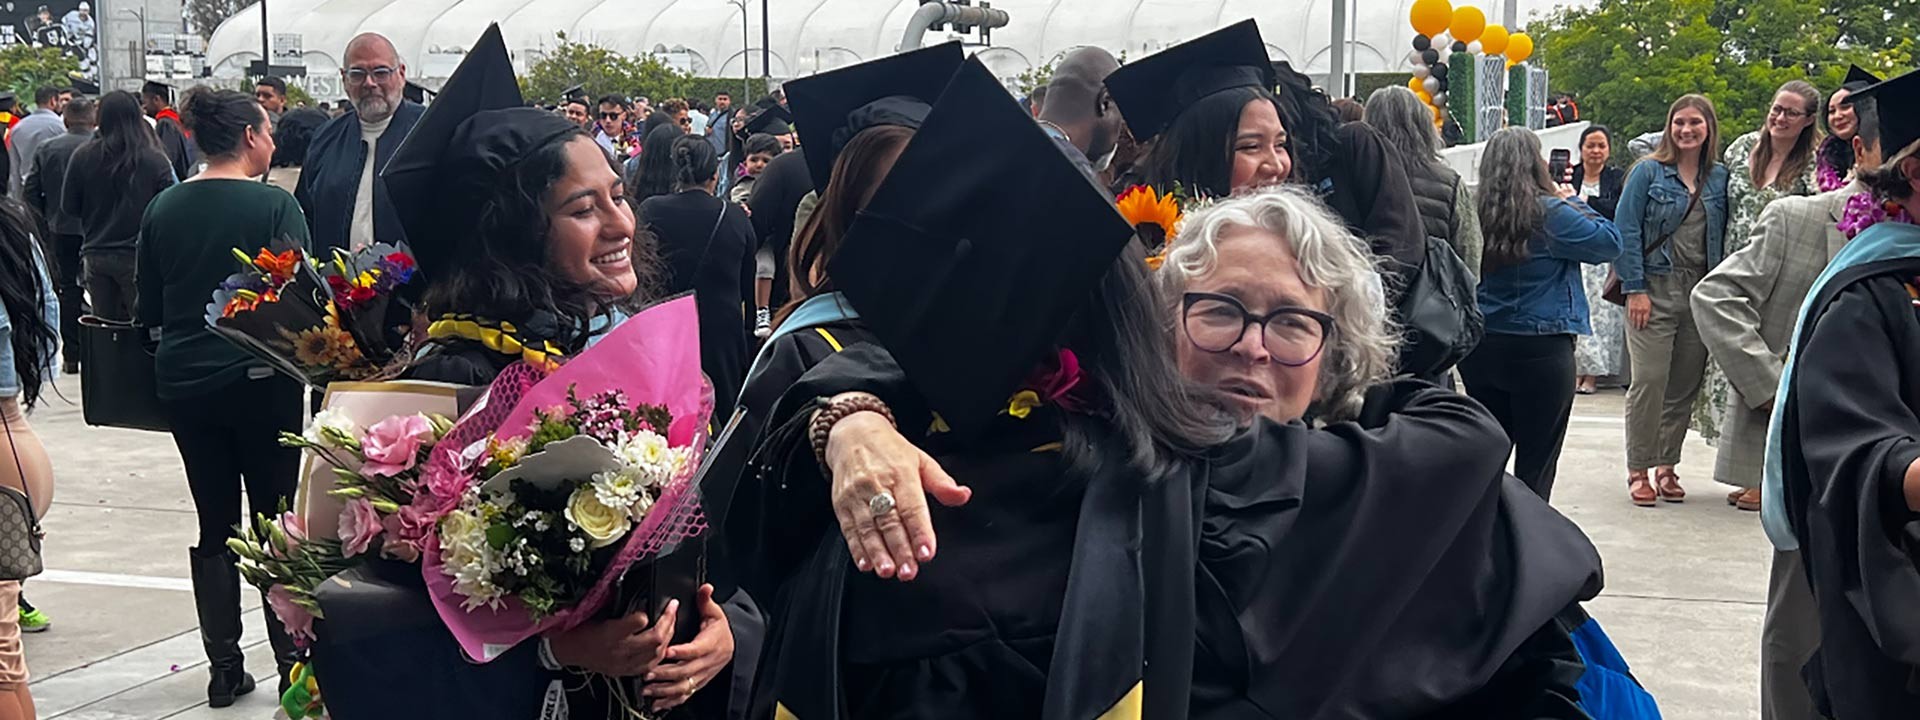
1294, 336
359, 75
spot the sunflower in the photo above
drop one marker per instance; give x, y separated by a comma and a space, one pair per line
1154, 217
322, 347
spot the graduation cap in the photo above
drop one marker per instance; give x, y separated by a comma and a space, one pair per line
772, 121
977, 249
1858, 79
834, 106
1154, 90
577, 92
155, 87
1897, 103
475, 130
417, 93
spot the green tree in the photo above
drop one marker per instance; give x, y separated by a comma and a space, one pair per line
204, 16
1033, 79
1628, 59
600, 70
24, 69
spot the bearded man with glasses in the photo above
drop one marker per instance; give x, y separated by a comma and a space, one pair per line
346, 207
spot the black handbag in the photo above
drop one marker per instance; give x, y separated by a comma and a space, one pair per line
20, 531
117, 387
1440, 313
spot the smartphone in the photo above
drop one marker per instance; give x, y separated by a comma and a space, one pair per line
1560, 165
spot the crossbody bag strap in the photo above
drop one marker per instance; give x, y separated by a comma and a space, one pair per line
33, 518
1669, 236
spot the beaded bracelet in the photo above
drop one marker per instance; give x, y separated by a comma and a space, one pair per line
832, 413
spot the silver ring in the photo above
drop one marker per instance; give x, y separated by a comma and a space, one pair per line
880, 504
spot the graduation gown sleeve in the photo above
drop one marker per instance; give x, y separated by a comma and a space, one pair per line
1854, 412
1341, 566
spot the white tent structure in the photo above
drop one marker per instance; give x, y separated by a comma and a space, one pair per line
807, 36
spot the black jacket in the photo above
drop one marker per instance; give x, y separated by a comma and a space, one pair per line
776, 197
712, 255
330, 179
48, 176
182, 156
1611, 180
110, 207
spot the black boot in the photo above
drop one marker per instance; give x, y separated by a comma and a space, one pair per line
216, 595
285, 653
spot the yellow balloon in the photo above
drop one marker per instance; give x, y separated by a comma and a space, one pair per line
1519, 48
1438, 116
1431, 17
1493, 41
1424, 97
1417, 85
1468, 23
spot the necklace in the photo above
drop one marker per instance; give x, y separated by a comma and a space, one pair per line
1865, 211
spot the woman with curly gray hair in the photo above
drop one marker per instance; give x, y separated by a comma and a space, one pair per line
1278, 307
1445, 204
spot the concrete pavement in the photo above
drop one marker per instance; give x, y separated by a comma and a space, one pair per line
1686, 584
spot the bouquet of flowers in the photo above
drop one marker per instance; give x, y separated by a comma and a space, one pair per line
316, 328
551, 488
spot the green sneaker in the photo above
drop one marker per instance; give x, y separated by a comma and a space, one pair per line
34, 621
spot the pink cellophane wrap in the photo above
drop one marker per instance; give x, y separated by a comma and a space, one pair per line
654, 357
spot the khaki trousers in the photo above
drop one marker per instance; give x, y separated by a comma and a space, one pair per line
1668, 361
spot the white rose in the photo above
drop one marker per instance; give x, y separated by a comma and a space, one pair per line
330, 427
603, 524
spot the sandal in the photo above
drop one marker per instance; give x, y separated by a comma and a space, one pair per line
1667, 483
1748, 500
1640, 491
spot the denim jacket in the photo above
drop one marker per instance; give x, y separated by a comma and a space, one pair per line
50, 313
1543, 294
1652, 205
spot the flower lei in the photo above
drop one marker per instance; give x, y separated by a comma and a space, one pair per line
1053, 383
1864, 211
1829, 179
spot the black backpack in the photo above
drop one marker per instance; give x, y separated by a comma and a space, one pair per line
1439, 312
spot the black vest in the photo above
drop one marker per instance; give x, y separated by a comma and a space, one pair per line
1433, 189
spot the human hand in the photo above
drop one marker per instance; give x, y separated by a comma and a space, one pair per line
868, 456
690, 666
1639, 310
621, 647
1565, 191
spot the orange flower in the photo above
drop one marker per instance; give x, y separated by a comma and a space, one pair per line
278, 266
1154, 217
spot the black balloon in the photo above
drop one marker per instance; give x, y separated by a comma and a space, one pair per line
1422, 42
1430, 55
1443, 83
1440, 71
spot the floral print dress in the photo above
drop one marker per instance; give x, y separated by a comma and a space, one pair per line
1744, 203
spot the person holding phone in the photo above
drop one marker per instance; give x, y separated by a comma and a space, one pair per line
1598, 183
1672, 220
1538, 232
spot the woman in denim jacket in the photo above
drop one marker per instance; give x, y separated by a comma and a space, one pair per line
1538, 233
1673, 221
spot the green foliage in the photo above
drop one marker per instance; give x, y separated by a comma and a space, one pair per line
1460, 94
1365, 83
24, 69
1033, 79
1517, 95
601, 71
203, 16
1628, 59
744, 92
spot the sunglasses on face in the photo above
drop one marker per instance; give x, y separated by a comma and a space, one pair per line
610, 115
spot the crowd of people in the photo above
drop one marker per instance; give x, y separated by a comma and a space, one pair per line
1015, 447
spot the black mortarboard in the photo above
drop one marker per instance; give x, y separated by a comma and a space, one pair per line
1897, 103
977, 250
1153, 90
1858, 79
834, 106
475, 129
152, 87
772, 121
417, 93
577, 92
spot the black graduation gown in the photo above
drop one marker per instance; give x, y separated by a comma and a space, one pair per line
707, 247
180, 150
1849, 432
1238, 588
775, 198
1368, 187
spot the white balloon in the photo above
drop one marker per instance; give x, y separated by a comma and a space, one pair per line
1432, 84
1474, 47
1413, 58
1422, 71
1440, 99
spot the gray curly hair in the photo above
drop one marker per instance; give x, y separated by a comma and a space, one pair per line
1333, 260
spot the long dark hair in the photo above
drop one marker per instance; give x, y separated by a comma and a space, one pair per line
503, 275
23, 294
694, 162
857, 173
123, 135
1125, 346
1512, 181
1196, 151
219, 119
656, 164
1310, 122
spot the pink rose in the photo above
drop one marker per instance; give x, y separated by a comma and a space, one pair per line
299, 622
294, 526
392, 446
359, 525
405, 531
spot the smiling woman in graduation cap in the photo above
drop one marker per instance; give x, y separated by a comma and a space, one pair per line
519, 223
1112, 547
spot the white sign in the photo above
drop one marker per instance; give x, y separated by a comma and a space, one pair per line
286, 50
